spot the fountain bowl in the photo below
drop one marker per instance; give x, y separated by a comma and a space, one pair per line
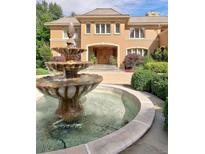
69, 51
68, 66
69, 92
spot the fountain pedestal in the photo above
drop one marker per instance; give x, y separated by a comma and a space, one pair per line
69, 109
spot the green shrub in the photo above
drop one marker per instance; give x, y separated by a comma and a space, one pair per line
41, 71
112, 60
165, 55
160, 54
148, 59
159, 86
93, 59
43, 55
158, 67
138, 67
141, 80
165, 112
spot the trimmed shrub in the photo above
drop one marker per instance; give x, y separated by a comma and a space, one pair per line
132, 59
160, 54
141, 80
158, 67
159, 86
148, 59
165, 55
165, 112
93, 59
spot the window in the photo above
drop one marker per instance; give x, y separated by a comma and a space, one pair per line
65, 34
117, 28
108, 28
138, 51
87, 28
97, 28
102, 28
136, 32
132, 32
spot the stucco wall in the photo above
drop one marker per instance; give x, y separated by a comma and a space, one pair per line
122, 40
164, 38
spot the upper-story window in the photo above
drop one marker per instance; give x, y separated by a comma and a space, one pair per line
136, 32
117, 28
87, 28
102, 28
138, 51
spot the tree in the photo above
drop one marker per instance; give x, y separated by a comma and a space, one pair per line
44, 13
55, 11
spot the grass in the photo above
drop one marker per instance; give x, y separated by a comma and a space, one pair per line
41, 71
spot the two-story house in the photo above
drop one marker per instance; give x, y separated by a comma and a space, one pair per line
105, 32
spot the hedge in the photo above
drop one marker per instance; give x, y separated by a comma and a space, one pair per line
165, 112
159, 86
141, 80
158, 67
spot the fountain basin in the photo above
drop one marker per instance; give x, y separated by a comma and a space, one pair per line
69, 51
111, 122
68, 91
68, 66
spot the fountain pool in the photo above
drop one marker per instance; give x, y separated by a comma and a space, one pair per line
106, 110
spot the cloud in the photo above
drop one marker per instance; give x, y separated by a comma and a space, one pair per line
133, 7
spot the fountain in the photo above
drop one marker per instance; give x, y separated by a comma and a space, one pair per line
70, 86
84, 118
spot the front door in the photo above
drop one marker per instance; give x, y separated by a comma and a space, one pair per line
103, 55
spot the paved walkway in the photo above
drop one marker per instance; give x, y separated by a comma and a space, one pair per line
155, 141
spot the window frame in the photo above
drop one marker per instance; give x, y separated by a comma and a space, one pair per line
142, 53
139, 30
100, 29
116, 28
86, 28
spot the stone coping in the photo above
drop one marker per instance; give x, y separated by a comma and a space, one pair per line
122, 138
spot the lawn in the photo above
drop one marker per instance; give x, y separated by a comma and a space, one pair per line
41, 71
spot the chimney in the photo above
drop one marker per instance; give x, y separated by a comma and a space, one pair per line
152, 13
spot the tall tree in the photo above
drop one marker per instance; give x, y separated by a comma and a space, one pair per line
55, 11
44, 13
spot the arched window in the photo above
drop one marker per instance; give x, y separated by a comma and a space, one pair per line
138, 51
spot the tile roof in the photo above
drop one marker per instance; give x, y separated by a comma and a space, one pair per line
103, 12
147, 20
133, 20
63, 21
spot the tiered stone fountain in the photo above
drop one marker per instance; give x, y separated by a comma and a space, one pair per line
69, 87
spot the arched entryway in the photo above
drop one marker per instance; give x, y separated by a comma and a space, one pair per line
103, 53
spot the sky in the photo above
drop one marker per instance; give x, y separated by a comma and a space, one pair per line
131, 7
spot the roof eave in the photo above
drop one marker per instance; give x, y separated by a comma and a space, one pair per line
103, 16
60, 24
147, 23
